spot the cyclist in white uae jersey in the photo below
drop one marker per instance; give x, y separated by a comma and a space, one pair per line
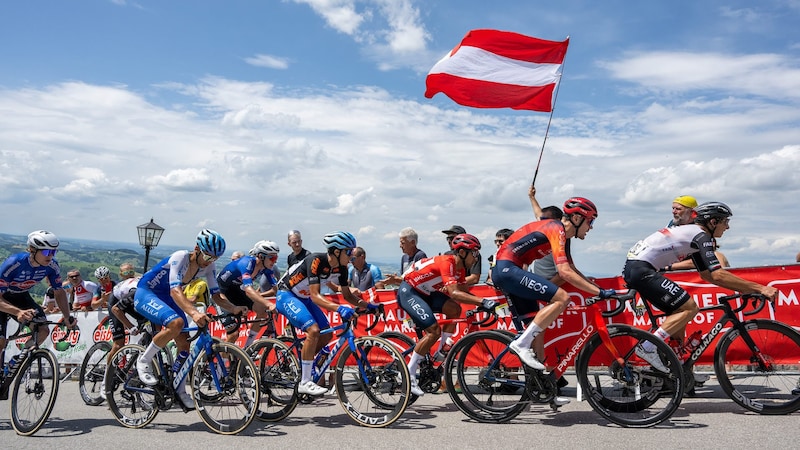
670, 245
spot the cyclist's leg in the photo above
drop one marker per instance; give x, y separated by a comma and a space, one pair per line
451, 310
160, 312
299, 315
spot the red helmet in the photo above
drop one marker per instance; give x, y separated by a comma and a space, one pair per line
582, 206
466, 241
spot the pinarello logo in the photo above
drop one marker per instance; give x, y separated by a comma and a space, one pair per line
103, 331
64, 338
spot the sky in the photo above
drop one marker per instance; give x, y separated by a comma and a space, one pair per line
256, 117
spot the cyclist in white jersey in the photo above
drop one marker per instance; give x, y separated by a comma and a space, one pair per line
668, 246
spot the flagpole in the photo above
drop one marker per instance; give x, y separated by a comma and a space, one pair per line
547, 130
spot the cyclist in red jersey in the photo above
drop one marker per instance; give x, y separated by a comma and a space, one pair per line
436, 285
525, 289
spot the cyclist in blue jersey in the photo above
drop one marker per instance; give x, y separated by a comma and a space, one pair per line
236, 284
301, 301
19, 273
160, 299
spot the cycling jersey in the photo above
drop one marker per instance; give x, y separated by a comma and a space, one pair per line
17, 275
534, 241
81, 293
314, 269
122, 295
240, 274
431, 275
670, 245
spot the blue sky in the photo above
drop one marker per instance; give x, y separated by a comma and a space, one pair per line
256, 117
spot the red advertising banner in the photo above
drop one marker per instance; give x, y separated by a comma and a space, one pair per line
568, 327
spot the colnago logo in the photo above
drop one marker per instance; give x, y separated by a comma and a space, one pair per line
562, 366
706, 341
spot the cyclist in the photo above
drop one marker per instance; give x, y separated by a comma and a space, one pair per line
160, 299
525, 289
670, 245
236, 285
120, 303
438, 285
18, 274
301, 301
105, 285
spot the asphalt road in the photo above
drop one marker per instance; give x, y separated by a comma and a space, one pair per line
709, 420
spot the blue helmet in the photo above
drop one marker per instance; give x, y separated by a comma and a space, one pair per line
340, 240
211, 243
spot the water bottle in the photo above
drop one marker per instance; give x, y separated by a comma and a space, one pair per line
441, 354
179, 360
693, 341
322, 357
677, 347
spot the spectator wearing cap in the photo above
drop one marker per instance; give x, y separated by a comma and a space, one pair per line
682, 211
474, 272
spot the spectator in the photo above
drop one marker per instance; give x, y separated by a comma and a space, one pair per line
546, 267
49, 304
474, 272
797, 258
499, 237
411, 254
298, 252
364, 275
236, 255
682, 211
80, 292
105, 285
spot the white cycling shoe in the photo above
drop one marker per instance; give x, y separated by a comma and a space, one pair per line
526, 355
146, 373
311, 388
652, 358
186, 398
415, 389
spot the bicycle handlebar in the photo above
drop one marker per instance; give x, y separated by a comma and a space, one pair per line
629, 296
758, 302
489, 320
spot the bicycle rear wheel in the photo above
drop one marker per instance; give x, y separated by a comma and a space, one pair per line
225, 389
629, 392
131, 402
279, 372
34, 392
373, 383
485, 380
767, 386
93, 371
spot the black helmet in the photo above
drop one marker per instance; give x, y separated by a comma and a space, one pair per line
712, 210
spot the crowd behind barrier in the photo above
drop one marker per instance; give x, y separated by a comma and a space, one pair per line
70, 347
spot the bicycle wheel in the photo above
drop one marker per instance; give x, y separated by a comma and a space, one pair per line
373, 383
34, 392
629, 392
131, 402
225, 388
401, 341
767, 386
92, 373
279, 373
485, 380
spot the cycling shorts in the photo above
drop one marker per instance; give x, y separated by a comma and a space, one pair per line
523, 289
653, 286
157, 310
420, 307
21, 300
117, 327
301, 312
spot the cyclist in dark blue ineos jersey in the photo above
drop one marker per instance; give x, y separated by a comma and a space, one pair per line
300, 300
160, 299
236, 284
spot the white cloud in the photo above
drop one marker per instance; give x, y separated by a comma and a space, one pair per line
268, 61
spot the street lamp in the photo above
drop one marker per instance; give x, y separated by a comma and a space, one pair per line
149, 235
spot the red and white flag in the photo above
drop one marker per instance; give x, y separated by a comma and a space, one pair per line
499, 69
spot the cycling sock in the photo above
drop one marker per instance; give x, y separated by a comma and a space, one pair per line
150, 353
659, 333
443, 340
413, 363
306, 376
528, 335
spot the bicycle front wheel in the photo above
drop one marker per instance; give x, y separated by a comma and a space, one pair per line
485, 380
373, 383
279, 372
34, 392
225, 387
93, 370
767, 379
624, 388
131, 402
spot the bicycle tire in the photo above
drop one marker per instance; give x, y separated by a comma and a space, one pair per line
232, 407
131, 403
634, 394
93, 372
34, 392
279, 372
485, 381
403, 343
372, 384
766, 391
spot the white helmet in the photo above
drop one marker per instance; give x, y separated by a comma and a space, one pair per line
42, 240
101, 272
268, 248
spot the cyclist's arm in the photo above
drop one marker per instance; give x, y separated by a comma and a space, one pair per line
22, 315
723, 278
321, 301
63, 304
117, 311
537, 209
253, 295
576, 279
460, 294
187, 305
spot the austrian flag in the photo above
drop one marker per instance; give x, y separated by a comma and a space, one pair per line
499, 69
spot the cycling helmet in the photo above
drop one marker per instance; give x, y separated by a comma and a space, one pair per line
340, 240
466, 241
42, 240
582, 206
712, 210
211, 242
265, 248
101, 272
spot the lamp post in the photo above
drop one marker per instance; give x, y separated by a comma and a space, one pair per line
149, 235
